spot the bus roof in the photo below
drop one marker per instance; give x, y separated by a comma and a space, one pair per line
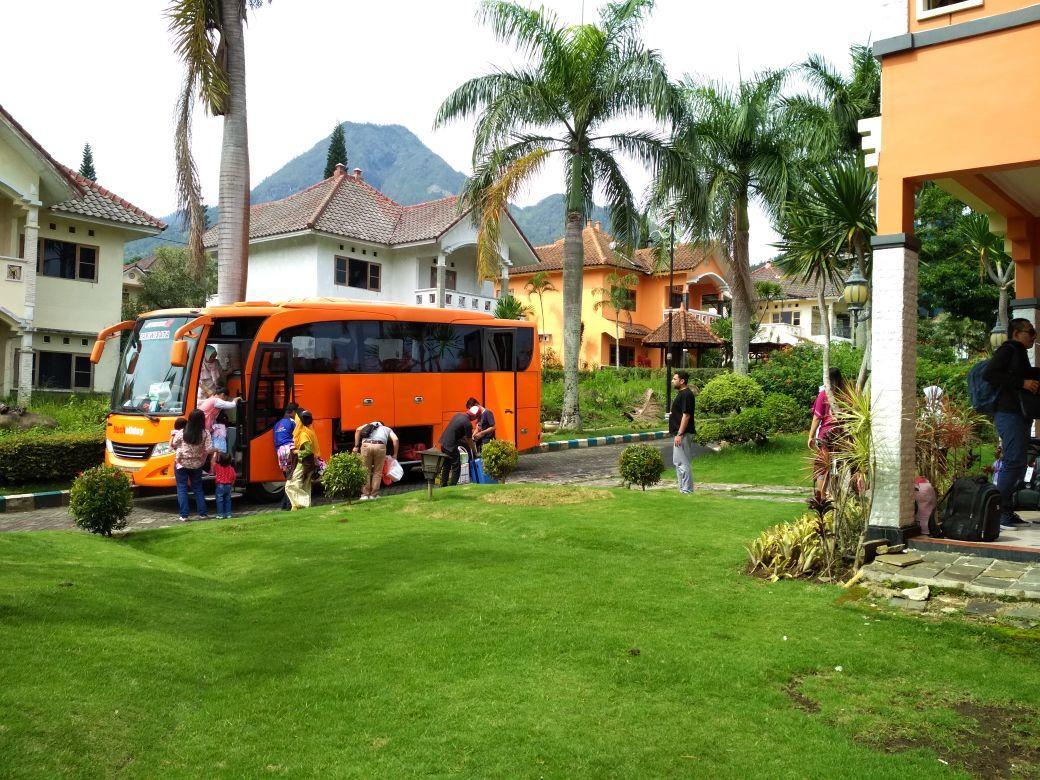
334, 306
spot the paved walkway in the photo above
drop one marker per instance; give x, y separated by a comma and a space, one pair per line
972, 574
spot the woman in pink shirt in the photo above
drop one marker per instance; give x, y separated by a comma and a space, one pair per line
192, 445
213, 405
823, 423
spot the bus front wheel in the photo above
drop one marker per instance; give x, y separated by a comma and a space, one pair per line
266, 492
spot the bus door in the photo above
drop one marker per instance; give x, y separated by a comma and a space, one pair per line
500, 380
270, 389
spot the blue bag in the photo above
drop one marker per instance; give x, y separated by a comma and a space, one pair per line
982, 395
477, 475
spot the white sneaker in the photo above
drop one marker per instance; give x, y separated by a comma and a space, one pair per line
365, 498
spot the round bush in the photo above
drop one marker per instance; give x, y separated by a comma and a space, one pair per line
749, 425
729, 393
641, 464
101, 500
499, 458
344, 476
784, 414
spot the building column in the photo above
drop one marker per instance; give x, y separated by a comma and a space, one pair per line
1023, 238
893, 385
25, 364
442, 268
505, 280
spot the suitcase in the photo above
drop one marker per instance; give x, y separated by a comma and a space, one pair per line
971, 512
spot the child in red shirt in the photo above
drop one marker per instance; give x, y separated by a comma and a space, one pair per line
224, 471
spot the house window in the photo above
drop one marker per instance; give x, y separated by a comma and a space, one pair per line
358, 273
927, 9
788, 317
65, 260
451, 278
628, 355
62, 371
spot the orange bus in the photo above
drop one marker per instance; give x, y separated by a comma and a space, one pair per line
347, 362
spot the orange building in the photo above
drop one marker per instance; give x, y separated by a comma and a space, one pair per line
960, 106
700, 288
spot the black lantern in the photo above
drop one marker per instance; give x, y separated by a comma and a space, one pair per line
857, 291
998, 335
431, 467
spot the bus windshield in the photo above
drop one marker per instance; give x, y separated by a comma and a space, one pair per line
147, 383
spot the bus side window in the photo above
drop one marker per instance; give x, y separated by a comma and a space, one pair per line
524, 348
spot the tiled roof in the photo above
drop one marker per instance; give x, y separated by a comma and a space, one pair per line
345, 205
144, 264
598, 252
99, 203
792, 288
634, 329
687, 328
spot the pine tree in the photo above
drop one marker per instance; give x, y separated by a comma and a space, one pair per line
86, 168
337, 151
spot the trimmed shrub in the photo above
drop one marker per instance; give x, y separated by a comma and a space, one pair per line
798, 372
641, 464
26, 459
730, 393
784, 414
345, 475
101, 500
499, 458
751, 425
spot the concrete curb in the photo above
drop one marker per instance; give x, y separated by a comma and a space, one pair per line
28, 502
598, 441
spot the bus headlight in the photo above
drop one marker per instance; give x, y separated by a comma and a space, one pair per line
108, 446
162, 448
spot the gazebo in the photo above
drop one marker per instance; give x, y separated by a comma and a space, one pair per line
690, 333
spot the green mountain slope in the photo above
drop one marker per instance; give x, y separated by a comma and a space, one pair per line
395, 162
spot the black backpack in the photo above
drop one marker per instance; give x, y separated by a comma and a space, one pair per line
970, 512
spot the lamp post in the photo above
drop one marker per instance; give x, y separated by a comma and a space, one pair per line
671, 288
855, 295
998, 335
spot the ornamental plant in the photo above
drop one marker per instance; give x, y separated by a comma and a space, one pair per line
345, 475
729, 393
784, 414
499, 458
101, 500
641, 464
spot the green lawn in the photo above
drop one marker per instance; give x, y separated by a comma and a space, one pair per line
559, 632
783, 460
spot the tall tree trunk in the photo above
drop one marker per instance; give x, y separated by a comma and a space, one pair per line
573, 271
741, 287
233, 226
617, 343
821, 301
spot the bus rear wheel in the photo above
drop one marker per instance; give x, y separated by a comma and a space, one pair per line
266, 492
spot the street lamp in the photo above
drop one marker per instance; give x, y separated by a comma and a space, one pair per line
855, 295
998, 335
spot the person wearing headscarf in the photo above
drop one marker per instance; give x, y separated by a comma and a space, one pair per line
308, 456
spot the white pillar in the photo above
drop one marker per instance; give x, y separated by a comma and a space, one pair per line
1027, 308
441, 275
25, 364
893, 391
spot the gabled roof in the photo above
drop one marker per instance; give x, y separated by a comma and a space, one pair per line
346, 205
687, 328
600, 252
99, 203
792, 288
88, 199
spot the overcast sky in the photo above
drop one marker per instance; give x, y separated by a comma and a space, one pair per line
104, 73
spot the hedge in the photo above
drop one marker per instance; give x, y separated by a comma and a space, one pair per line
55, 457
698, 376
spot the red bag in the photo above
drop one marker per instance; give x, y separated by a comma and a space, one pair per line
386, 472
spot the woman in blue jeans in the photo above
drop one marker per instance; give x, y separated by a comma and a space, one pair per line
192, 446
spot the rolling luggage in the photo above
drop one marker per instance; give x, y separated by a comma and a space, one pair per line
971, 512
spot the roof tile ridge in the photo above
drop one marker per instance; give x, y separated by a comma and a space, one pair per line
83, 181
425, 202
316, 215
39, 147
375, 192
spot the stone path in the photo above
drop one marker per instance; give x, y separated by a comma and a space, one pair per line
972, 574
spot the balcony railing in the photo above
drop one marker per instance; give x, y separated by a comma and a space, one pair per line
707, 317
454, 299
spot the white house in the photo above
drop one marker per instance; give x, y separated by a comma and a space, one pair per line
343, 238
794, 317
61, 268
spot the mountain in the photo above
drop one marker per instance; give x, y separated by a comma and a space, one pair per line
394, 161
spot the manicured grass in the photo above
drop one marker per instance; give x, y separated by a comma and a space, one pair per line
561, 632
783, 460
589, 433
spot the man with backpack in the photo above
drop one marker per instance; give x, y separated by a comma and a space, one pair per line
1011, 374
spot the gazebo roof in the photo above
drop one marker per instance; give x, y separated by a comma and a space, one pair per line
687, 328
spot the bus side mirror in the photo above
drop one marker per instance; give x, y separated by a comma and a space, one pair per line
179, 353
97, 351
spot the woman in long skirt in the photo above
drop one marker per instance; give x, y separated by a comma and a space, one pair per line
305, 439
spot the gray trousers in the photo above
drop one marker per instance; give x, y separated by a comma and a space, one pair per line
681, 457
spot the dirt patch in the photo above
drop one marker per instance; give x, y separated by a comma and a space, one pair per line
546, 496
800, 700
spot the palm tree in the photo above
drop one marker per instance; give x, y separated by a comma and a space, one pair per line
539, 284
839, 102
617, 295
979, 243
579, 80
209, 39
739, 149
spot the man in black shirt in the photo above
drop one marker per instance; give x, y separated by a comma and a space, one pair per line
457, 433
681, 428
1011, 371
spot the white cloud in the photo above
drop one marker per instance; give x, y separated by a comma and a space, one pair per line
105, 73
